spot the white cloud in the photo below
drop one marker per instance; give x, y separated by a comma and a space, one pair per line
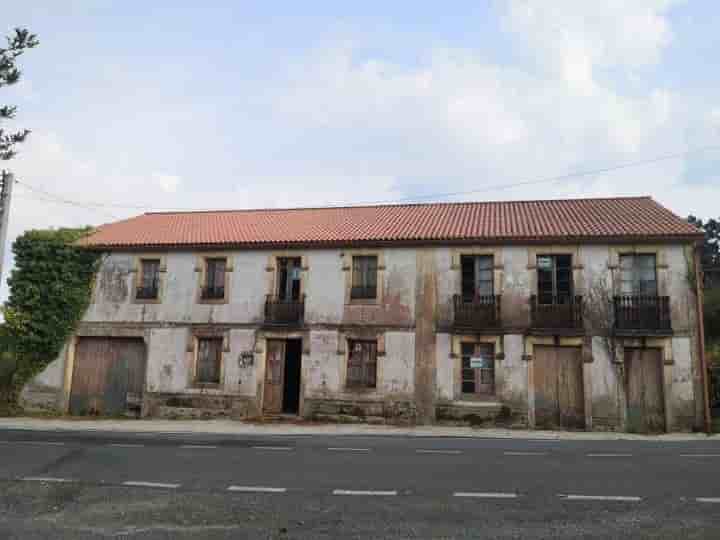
574, 38
168, 182
333, 126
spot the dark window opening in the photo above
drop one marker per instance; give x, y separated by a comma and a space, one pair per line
364, 277
555, 280
638, 275
291, 383
477, 276
209, 360
149, 286
214, 288
478, 368
289, 269
362, 364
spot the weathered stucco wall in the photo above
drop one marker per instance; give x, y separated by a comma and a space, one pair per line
413, 316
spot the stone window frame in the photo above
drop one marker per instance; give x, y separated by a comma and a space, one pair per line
456, 343
347, 267
498, 265
194, 348
201, 269
661, 265
574, 250
344, 339
271, 268
136, 270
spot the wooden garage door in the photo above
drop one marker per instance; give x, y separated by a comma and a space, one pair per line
644, 390
559, 395
108, 375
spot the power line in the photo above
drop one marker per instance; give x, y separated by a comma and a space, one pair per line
98, 206
46, 196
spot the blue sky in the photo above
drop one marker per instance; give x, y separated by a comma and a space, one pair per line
175, 105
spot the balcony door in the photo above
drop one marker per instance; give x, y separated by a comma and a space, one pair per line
554, 274
289, 269
477, 276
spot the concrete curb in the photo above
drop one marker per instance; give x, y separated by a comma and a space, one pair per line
232, 427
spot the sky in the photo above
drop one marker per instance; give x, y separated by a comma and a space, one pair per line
164, 105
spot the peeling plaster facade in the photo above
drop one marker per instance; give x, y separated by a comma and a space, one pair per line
418, 361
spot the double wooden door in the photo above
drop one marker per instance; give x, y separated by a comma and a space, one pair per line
644, 390
559, 391
108, 375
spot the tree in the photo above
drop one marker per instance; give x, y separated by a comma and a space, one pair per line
50, 289
10, 74
711, 247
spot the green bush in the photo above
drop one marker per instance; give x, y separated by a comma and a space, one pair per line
50, 290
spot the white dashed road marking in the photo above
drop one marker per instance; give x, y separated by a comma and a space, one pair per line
700, 455
45, 479
600, 498
151, 485
198, 446
46, 443
273, 447
609, 455
126, 445
525, 453
481, 495
363, 492
438, 451
349, 449
708, 499
256, 489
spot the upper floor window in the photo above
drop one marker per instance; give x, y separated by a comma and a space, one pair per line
288, 279
362, 364
214, 286
209, 360
364, 277
477, 276
638, 275
554, 274
149, 285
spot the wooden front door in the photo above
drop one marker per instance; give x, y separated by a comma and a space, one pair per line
108, 376
559, 391
644, 390
274, 376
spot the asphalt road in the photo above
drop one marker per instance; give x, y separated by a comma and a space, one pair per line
110, 485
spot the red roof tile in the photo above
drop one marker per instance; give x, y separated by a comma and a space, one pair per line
637, 218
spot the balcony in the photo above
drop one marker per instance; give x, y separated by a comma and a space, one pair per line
284, 312
213, 293
147, 293
559, 313
642, 313
477, 312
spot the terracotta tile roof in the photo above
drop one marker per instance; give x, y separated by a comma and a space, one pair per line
637, 218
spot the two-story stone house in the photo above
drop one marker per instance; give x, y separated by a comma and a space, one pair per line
569, 313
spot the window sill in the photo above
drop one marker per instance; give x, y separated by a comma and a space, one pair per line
478, 398
363, 302
212, 301
206, 386
360, 390
147, 301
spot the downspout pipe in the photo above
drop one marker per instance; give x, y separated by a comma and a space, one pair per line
701, 339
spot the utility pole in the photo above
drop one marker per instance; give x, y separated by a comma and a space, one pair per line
7, 180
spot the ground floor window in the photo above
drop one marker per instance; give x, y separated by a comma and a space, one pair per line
362, 364
209, 360
478, 368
